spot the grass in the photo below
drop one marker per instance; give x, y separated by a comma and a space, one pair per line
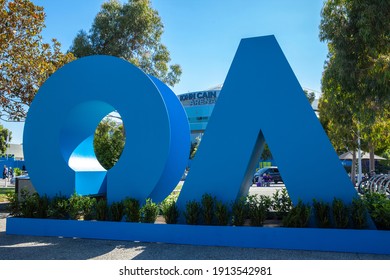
4, 192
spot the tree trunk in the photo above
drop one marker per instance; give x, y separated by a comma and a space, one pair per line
372, 159
353, 168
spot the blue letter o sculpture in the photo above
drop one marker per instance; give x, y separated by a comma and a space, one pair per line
62, 119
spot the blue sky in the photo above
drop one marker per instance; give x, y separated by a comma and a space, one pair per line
203, 35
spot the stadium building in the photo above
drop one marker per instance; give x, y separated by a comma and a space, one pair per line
199, 106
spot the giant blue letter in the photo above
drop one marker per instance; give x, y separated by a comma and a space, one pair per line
63, 117
262, 99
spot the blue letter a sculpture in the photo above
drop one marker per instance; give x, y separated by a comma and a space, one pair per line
261, 97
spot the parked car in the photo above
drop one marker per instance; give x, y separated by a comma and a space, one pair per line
273, 171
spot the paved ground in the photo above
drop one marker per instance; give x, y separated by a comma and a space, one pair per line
53, 248
3, 183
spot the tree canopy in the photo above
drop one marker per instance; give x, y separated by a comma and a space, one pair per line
356, 80
133, 32
310, 95
5, 137
109, 142
25, 61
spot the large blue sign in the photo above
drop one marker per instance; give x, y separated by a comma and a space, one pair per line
262, 100
63, 117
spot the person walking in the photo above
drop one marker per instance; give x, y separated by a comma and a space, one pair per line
5, 175
11, 173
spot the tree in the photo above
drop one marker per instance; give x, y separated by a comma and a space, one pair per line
337, 118
133, 32
5, 137
266, 154
25, 61
310, 96
194, 146
357, 72
109, 142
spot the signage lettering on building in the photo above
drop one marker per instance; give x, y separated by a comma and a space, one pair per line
199, 98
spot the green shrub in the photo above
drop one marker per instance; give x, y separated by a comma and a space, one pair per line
340, 213
13, 207
208, 204
28, 203
101, 210
17, 171
258, 207
149, 212
42, 207
322, 213
75, 207
170, 211
239, 212
221, 213
378, 206
82, 207
89, 208
58, 207
298, 216
116, 211
192, 212
358, 214
132, 210
281, 203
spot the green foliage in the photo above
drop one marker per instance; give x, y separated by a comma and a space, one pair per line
101, 210
340, 213
192, 212
109, 142
89, 208
322, 213
216, 212
194, 149
170, 211
378, 206
133, 32
13, 206
266, 154
132, 210
28, 203
208, 204
58, 207
42, 206
310, 96
17, 171
116, 211
5, 135
281, 203
75, 207
258, 207
358, 214
149, 212
239, 211
298, 216
82, 207
25, 60
355, 82
221, 213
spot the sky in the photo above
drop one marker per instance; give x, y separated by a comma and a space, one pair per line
203, 35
